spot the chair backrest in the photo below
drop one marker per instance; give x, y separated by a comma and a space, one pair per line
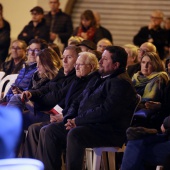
139, 98
21, 164
10, 79
2, 73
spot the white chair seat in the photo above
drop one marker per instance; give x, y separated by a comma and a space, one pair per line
2, 73
21, 164
11, 79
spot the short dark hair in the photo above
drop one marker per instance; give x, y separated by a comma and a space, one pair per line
37, 9
118, 55
1, 7
42, 42
74, 48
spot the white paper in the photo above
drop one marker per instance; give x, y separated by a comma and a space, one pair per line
58, 109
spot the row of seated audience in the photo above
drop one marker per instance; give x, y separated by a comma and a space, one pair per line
149, 82
151, 78
88, 91
56, 26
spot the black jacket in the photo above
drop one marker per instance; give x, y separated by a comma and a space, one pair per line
62, 25
43, 97
107, 106
67, 94
159, 38
4, 41
40, 31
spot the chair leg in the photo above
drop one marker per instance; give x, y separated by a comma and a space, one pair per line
89, 159
96, 159
111, 157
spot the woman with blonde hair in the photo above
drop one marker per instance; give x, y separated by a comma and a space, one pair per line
150, 83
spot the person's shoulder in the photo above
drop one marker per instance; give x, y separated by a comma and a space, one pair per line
63, 13
6, 24
122, 78
164, 75
144, 28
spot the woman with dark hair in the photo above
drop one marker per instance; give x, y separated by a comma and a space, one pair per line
87, 27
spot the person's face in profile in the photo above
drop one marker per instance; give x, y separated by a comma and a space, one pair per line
69, 59
82, 66
40, 67
106, 65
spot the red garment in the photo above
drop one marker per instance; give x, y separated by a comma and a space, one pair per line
90, 33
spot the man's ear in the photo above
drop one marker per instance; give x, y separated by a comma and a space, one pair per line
116, 65
92, 67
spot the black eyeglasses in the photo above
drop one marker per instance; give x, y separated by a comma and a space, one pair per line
80, 65
35, 51
142, 51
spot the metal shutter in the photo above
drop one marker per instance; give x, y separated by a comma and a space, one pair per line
122, 17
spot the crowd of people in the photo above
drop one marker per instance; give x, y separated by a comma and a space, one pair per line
76, 90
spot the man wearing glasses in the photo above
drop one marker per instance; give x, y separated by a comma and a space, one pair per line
153, 33
18, 57
145, 47
36, 28
23, 81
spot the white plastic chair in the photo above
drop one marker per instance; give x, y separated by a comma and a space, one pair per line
11, 78
95, 165
21, 164
2, 73
159, 167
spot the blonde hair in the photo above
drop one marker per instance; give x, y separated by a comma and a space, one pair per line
133, 50
50, 61
75, 40
91, 59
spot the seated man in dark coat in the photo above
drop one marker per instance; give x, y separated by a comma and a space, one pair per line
36, 28
97, 117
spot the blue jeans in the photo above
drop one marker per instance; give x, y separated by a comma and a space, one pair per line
28, 116
151, 150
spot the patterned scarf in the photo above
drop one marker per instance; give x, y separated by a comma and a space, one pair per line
150, 87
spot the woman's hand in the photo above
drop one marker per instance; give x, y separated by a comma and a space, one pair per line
162, 128
26, 95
